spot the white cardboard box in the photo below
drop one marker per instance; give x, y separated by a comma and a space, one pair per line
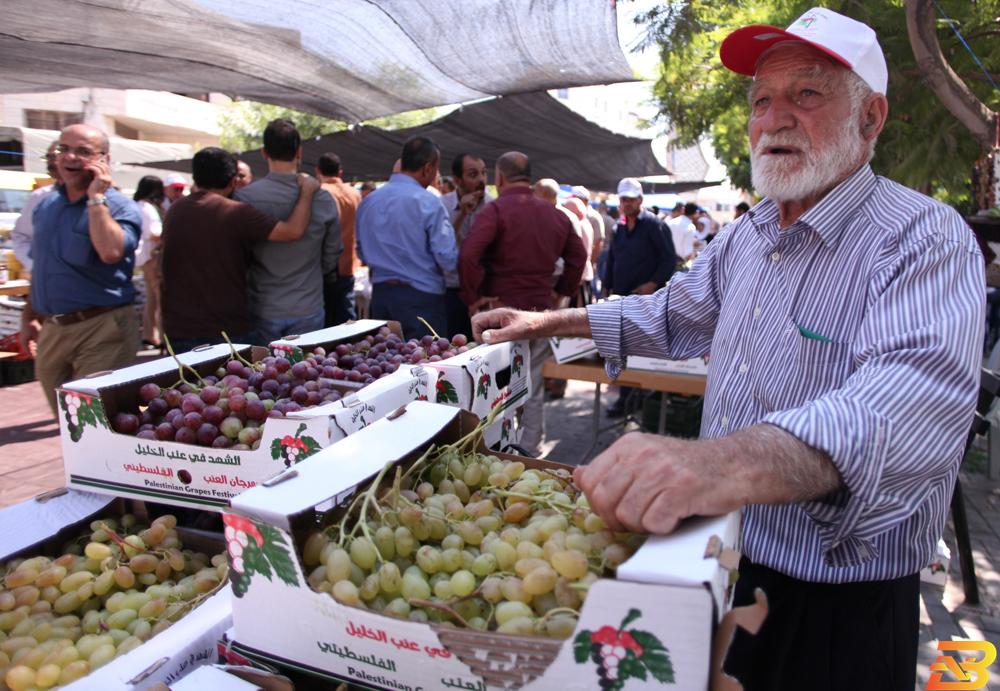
671, 592
568, 349
98, 459
477, 380
188, 643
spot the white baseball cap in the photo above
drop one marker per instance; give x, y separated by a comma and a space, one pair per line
846, 40
581, 192
629, 187
174, 180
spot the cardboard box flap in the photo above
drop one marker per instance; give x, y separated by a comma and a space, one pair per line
679, 558
150, 369
334, 333
34, 520
345, 464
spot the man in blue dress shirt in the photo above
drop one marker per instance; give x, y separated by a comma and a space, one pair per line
83, 249
844, 314
408, 243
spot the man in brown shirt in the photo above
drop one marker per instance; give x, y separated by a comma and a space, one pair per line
206, 249
338, 293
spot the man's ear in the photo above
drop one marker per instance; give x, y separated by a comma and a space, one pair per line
874, 114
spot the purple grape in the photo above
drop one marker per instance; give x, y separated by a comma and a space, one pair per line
147, 392
207, 434
442, 344
256, 410
173, 397
282, 365
148, 426
416, 358
186, 435
311, 385
213, 414
354, 375
459, 340
193, 420
221, 442
388, 368
319, 350
210, 394
338, 373
192, 403
426, 340
312, 373
237, 403
240, 447
231, 427
292, 406
146, 434
342, 349
375, 371
274, 413
255, 380
145, 418
234, 367
433, 350
158, 407
299, 370
313, 398
125, 423
270, 372
178, 420
300, 394
165, 431
266, 395
346, 361
434, 358
269, 385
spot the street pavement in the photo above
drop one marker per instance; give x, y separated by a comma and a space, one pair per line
31, 463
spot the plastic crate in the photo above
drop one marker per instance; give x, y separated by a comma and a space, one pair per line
683, 417
16, 371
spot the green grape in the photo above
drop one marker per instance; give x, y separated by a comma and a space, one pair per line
429, 559
463, 583
560, 626
152, 609
129, 644
484, 564
593, 523
369, 587
529, 550
357, 576
135, 600
385, 541
363, 553
415, 587
488, 523
513, 590
134, 545
473, 475
118, 635
470, 532
506, 611
346, 593
398, 608
75, 580
143, 563
66, 603
490, 589
73, 671
565, 594
498, 480
540, 580
516, 512
124, 577
390, 579
461, 491
97, 550
20, 678
614, 555
444, 590
451, 560
338, 566
50, 576
102, 656
140, 628
570, 563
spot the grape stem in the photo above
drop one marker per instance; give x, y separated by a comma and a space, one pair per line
235, 354
429, 327
416, 602
181, 366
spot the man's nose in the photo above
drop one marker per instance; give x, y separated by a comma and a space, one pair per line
777, 117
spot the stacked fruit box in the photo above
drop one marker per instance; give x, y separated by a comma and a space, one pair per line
92, 599
366, 613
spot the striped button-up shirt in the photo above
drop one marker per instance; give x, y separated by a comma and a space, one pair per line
857, 329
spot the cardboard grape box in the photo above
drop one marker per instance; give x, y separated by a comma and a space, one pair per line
98, 459
569, 349
670, 594
695, 365
483, 377
41, 526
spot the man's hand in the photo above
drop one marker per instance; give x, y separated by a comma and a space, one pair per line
484, 303
101, 181
470, 201
646, 483
27, 338
307, 183
647, 288
505, 324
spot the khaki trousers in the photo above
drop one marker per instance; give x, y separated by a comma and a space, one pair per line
65, 353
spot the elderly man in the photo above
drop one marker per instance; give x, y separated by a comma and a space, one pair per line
83, 248
285, 284
463, 204
244, 174
173, 189
845, 365
509, 257
406, 240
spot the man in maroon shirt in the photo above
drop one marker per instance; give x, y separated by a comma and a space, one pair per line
508, 259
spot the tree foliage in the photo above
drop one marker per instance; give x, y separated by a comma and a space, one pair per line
243, 123
922, 146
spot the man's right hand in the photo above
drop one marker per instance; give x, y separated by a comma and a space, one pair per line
505, 324
307, 183
27, 338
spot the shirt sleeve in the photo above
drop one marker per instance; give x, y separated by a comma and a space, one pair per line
471, 273
673, 323
333, 243
441, 236
23, 231
253, 226
574, 255
128, 217
895, 430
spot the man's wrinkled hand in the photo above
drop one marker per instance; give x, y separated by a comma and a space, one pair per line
504, 324
101, 180
27, 337
646, 483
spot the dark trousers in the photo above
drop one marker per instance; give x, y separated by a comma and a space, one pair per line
458, 315
338, 300
826, 637
404, 304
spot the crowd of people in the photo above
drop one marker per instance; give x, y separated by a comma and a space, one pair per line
261, 258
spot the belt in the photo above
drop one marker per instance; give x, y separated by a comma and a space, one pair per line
78, 316
393, 282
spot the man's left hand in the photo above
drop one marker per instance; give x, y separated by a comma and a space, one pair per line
470, 201
101, 181
646, 483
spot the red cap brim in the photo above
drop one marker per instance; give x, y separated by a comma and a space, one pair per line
741, 49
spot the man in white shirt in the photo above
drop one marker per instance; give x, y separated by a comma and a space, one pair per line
682, 231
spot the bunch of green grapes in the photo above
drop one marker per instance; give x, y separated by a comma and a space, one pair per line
470, 540
62, 618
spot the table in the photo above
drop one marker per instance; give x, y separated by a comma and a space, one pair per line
593, 371
15, 287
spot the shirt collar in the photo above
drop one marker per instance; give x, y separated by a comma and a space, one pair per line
403, 177
834, 211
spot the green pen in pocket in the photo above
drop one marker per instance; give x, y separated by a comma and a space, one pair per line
812, 335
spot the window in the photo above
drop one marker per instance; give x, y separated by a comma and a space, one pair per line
50, 119
11, 154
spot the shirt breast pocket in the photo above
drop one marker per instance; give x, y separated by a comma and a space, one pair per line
806, 369
76, 248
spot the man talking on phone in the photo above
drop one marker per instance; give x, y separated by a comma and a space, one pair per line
80, 311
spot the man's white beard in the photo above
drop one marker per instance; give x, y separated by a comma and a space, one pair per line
788, 177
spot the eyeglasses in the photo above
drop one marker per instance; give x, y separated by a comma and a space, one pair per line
78, 151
